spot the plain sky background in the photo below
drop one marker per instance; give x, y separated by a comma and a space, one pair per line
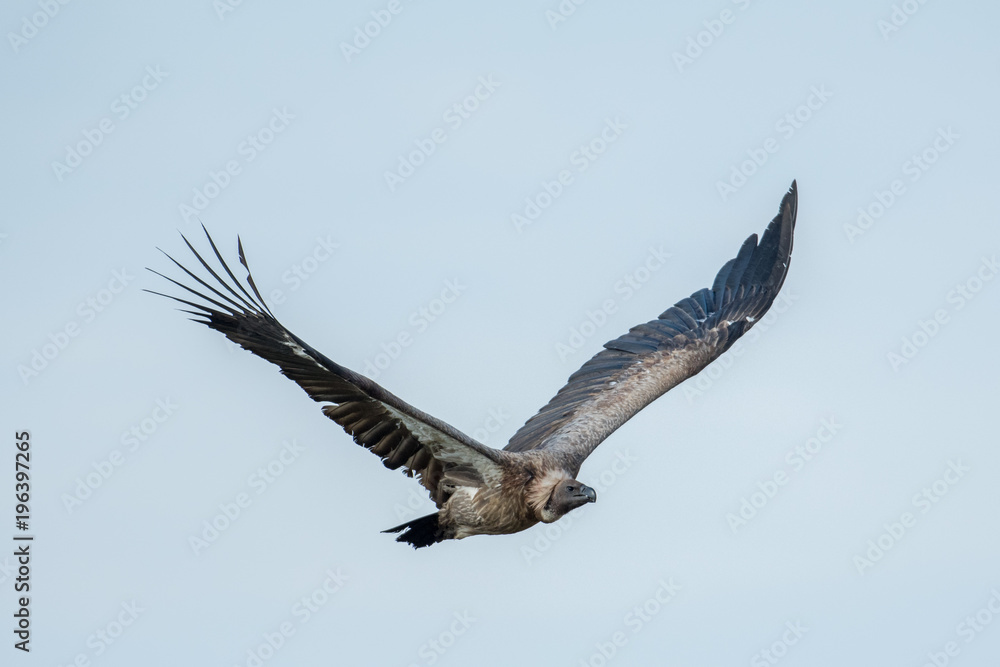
668, 480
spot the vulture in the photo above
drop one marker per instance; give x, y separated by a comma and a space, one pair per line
482, 490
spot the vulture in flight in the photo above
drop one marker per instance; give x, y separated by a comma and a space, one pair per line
479, 489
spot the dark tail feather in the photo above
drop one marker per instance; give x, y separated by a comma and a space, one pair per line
421, 532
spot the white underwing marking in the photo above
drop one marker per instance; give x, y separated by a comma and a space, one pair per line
443, 447
300, 351
751, 319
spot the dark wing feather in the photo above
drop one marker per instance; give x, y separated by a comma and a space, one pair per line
401, 435
652, 358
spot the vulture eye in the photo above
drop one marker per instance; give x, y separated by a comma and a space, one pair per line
569, 488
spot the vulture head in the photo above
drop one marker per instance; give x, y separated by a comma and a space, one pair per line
567, 495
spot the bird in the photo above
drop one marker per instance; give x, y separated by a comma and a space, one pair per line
481, 490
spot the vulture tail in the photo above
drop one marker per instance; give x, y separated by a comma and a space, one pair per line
421, 532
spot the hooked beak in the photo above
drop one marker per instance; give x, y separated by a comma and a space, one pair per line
590, 494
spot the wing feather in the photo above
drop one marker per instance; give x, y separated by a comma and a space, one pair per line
401, 435
649, 360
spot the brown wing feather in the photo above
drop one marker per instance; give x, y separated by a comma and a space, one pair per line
401, 435
654, 357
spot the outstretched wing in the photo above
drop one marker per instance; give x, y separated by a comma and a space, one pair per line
654, 357
404, 437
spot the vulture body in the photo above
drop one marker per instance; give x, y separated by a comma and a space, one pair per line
479, 489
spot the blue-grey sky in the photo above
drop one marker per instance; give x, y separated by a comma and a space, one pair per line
465, 201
